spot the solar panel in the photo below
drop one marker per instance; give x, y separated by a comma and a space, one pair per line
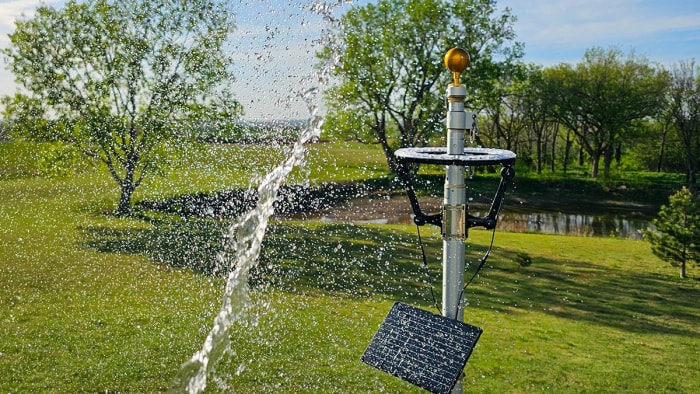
422, 348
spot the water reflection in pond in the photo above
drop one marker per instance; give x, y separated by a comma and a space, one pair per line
622, 223
627, 225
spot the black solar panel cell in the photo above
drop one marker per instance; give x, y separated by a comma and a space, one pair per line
423, 348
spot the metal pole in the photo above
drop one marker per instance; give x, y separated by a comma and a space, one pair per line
454, 230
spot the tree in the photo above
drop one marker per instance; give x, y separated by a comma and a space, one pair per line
391, 60
684, 99
124, 81
677, 235
534, 105
504, 123
664, 125
601, 97
3, 131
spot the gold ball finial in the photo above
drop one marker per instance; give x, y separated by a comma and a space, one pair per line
457, 60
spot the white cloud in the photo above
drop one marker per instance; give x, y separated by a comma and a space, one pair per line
625, 28
558, 28
10, 10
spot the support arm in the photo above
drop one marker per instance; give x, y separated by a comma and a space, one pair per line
489, 221
420, 218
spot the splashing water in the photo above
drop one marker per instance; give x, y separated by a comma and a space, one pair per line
245, 240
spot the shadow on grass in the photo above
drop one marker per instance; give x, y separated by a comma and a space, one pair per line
632, 301
348, 261
183, 243
360, 262
297, 198
338, 259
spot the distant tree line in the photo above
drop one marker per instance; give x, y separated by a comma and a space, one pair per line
249, 132
610, 110
127, 82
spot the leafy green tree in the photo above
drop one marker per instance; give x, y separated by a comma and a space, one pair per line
520, 113
503, 124
123, 81
391, 60
537, 108
677, 235
684, 100
601, 97
348, 126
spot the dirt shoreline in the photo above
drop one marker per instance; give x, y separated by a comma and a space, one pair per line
395, 208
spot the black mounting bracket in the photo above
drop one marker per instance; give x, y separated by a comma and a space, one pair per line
489, 221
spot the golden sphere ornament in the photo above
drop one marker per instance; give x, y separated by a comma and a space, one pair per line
456, 60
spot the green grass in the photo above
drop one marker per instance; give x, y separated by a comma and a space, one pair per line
92, 303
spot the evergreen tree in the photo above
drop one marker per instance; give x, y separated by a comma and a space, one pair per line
677, 235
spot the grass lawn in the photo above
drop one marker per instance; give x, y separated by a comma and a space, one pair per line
93, 303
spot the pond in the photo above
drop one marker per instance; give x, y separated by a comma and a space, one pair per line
620, 222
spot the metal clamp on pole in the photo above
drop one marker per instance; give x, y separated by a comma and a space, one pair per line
454, 222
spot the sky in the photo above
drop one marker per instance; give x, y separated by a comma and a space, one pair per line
275, 40
664, 31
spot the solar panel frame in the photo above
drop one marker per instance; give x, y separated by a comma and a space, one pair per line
422, 348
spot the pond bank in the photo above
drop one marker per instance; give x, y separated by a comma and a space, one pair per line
617, 221
379, 201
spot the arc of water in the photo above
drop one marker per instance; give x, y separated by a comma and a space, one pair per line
246, 236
